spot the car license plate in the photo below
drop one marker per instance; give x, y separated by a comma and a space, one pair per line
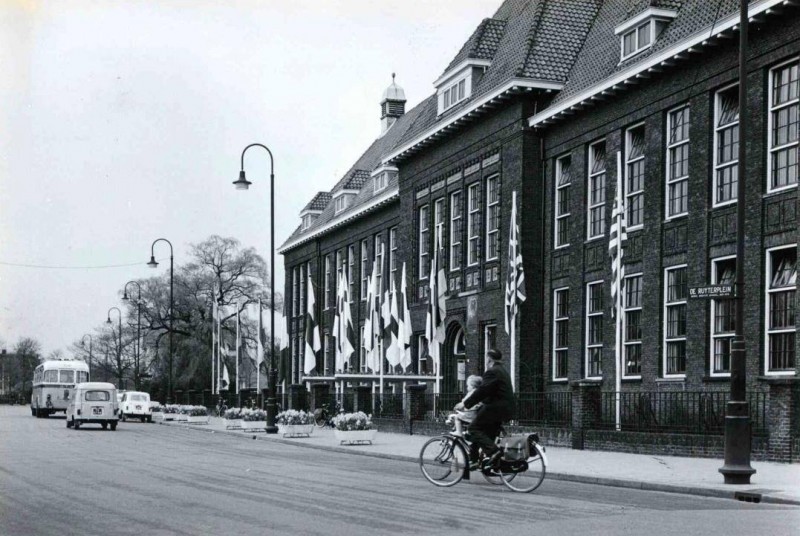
139, 407
97, 411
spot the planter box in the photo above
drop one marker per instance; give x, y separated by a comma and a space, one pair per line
158, 416
197, 419
355, 437
170, 417
234, 424
254, 426
295, 430
181, 417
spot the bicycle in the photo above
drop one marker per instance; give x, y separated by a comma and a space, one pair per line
323, 416
444, 461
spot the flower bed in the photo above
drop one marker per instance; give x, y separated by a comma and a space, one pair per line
295, 423
245, 419
354, 428
171, 412
195, 414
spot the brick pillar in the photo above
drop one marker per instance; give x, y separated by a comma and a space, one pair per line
207, 398
585, 409
190, 397
363, 396
320, 394
178, 397
783, 413
298, 396
415, 404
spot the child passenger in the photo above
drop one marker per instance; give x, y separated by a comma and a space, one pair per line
473, 382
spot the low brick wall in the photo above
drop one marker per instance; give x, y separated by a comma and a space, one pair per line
699, 446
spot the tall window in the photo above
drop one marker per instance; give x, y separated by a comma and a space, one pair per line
597, 190
303, 291
784, 120
296, 291
438, 220
633, 325
341, 264
560, 333
393, 255
326, 354
424, 364
424, 243
563, 182
489, 340
678, 162
328, 280
379, 251
351, 262
594, 329
473, 223
676, 290
364, 268
455, 231
492, 217
723, 314
726, 145
781, 300
634, 176
363, 353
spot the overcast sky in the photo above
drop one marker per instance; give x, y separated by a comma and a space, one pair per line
122, 121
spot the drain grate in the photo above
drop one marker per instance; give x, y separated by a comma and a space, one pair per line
745, 496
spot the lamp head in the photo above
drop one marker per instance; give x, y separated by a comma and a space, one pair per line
242, 183
108, 320
152, 263
125, 295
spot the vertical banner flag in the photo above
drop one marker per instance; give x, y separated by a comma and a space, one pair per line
434, 328
313, 343
373, 310
343, 324
515, 284
284, 345
225, 378
368, 339
617, 238
394, 353
405, 331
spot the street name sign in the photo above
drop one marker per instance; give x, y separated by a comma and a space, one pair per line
711, 291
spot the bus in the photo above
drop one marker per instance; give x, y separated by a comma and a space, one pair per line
54, 384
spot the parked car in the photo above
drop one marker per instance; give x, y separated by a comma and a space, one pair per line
135, 405
93, 403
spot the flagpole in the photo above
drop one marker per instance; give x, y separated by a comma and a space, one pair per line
513, 321
259, 356
213, 336
617, 303
237, 348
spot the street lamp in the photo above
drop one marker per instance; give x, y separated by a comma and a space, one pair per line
138, 326
119, 342
272, 378
90, 351
154, 264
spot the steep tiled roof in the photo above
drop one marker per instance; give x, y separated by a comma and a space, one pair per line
357, 179
482, 44
319, 202
539, 41
599, 58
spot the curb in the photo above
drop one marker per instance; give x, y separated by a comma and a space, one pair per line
744, 496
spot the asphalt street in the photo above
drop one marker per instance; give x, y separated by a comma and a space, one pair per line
154, 479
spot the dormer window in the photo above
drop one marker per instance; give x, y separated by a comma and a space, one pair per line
454, 94
640, 32
455, 85
307, 219
382, 176
343, 199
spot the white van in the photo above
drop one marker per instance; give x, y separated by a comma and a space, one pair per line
135, 405
93, 402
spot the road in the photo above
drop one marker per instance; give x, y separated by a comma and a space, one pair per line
156, 479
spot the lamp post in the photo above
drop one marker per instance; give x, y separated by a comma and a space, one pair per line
138, 328
272, 378
90, 351
119, 343
154, 264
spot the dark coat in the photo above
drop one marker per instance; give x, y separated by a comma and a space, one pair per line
495, 392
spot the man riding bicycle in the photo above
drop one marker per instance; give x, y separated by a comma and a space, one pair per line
497, 396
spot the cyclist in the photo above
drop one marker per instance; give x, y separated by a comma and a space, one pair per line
497, 396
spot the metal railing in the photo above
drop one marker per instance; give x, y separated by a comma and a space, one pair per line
544, 409
693, 412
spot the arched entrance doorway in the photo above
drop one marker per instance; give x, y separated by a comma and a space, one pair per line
454, 364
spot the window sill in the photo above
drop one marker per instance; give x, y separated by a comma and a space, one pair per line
713, 379
779, 191
635, 379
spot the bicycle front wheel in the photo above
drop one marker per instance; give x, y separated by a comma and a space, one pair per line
320, 418
443, 461
530, 479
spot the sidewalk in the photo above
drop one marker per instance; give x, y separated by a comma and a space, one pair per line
773, 482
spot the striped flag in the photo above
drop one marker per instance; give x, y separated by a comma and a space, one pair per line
437, 310
394, 353
404, 329
618, 236
515, 283
313, 343
343, 324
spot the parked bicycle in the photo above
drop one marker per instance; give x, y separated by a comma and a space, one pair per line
444, 460
323, 416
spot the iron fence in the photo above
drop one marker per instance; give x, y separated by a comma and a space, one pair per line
544, 409
693, 412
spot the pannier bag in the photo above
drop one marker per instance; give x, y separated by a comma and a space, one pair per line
515, 448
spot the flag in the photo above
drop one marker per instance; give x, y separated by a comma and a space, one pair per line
284, 367
616, 242
313, 343
375, 314
394, 354
404, 329
368, 340
515, 283
225, 378
343, 324
437, 310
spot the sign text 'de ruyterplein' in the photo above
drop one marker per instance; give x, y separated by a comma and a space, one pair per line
712, 291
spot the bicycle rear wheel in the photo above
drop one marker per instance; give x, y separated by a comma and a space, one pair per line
530, 479
320, 418
443, 461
